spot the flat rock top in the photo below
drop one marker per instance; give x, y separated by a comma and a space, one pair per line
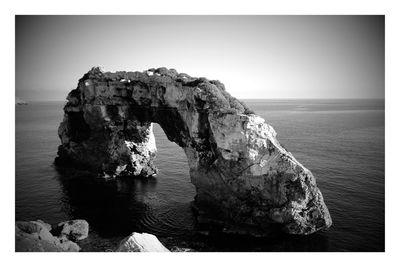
213, 90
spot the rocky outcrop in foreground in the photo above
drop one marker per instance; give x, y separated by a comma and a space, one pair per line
246, 182
38, 236
144, 242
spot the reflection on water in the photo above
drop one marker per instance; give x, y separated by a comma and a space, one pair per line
116, 208
110, 207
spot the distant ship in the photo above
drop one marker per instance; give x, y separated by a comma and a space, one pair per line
19, 101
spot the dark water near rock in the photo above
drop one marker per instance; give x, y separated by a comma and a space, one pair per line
340, 141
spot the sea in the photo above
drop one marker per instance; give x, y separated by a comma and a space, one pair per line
342, 141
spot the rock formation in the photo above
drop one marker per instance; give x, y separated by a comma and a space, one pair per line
37, 236
144, 242
245, 180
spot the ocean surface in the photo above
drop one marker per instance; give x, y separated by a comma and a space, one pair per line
340, 141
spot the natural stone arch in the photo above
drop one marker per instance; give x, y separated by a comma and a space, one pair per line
245, 180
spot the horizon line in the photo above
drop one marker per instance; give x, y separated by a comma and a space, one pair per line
252, 99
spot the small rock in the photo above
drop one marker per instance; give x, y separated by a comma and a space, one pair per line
74, 230
144, 242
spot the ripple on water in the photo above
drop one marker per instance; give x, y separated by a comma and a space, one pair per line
171, 220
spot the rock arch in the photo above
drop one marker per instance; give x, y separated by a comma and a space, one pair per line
245, 180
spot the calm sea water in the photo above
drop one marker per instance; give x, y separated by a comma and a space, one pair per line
340, 141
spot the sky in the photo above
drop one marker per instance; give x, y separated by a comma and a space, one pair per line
255, 57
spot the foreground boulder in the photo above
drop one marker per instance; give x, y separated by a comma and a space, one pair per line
74, 230
246, 182
144, 242
36, 236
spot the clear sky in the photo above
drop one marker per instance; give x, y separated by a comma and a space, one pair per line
254, 56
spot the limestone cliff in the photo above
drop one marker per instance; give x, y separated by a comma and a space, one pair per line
245, 180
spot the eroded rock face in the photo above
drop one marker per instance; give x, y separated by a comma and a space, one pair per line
245, 180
